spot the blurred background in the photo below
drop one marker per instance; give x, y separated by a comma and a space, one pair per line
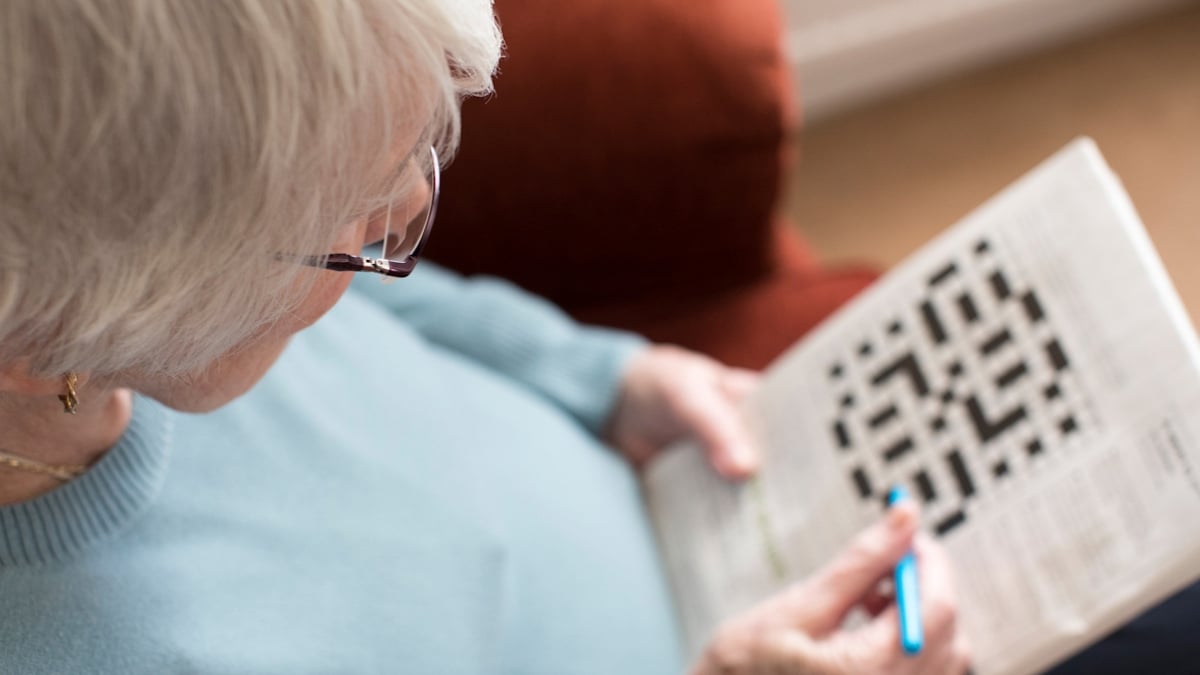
635, 165
916, 111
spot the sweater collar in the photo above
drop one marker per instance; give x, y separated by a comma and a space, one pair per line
65, 521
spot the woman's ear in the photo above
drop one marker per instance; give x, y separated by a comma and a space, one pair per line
16, 378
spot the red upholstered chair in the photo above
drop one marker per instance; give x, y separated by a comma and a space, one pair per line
629, 169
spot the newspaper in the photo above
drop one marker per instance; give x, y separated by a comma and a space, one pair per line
1031, 375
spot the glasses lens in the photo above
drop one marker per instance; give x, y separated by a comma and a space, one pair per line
400, 245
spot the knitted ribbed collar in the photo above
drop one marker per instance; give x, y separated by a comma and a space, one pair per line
98, 504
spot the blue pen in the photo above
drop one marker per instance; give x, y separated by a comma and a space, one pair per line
908, 599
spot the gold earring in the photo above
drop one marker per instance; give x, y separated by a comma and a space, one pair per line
70, 400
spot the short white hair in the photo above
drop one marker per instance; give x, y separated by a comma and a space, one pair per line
156, 154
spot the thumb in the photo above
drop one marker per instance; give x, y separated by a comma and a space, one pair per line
717, 424
870, 557
737, 383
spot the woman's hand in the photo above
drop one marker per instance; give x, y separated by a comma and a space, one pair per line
799, 631
670, 393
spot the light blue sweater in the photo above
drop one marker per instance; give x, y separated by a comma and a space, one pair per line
414, 488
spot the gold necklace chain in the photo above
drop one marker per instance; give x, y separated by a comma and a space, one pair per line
63, 472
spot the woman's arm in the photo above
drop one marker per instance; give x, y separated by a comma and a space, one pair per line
637, 398
515, 333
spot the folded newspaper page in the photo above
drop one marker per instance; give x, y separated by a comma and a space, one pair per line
1030, 375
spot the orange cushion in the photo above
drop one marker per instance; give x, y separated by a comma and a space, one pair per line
751, 325
631, 149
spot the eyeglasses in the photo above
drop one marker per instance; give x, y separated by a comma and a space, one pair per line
399, 255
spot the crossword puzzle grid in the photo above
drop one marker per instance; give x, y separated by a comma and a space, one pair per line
964, 389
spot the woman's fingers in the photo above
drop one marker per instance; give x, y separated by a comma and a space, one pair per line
823, 600
717, 423
737, 383
939, 604
945, 650
669, 393
752, 648
880, 597
801, 630
720, 430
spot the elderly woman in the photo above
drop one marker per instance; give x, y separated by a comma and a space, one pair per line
418, 482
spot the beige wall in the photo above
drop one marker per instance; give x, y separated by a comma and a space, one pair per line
875, 183
850, 51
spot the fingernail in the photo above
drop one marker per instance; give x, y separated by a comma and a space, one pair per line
902, 516
745, 458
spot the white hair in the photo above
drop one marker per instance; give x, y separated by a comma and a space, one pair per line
156, 154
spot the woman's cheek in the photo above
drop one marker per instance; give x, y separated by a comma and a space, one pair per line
323, 295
